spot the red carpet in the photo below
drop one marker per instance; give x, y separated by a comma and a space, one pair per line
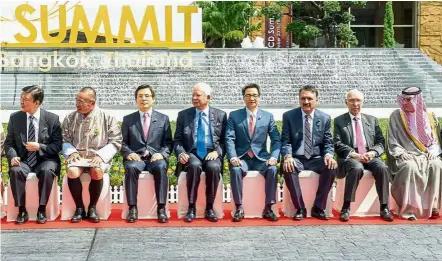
115, 221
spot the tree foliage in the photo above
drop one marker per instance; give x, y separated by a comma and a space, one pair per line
389, 41
311, 19
228, 20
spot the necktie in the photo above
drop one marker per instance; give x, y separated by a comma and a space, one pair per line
359, 139
308, 151
251, 131
32, 155
146, 125
201, 148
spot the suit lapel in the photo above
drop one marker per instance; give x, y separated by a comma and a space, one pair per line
192, 122
23, 127
366, 130
257, 121
212, 122
42, 125
245, 122
349, 127
316, 126
139, 125
153, 122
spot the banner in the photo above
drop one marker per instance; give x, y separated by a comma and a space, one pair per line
275, 31
70, 24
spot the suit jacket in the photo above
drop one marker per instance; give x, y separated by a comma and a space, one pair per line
293, 134
185, 132
343, 137
49, 137
239, 142
159, 136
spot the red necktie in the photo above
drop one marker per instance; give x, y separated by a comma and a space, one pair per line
146, 125
251, 131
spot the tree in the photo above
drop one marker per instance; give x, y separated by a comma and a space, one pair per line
311, 19
227, 20
389, 41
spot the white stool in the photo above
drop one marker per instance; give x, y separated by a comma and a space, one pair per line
253, 200
309, 181
146, 198
366, 199
183, 202
52, 208
104, 202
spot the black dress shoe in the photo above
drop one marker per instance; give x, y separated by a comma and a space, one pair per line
22, 218
386, 215
319, 213
41, 217
345, 215
93, 216
413, 218
79, 215
133, 215
435, 214
190, 216
209, 214
162, 217
300, 214
269, 215
239, 215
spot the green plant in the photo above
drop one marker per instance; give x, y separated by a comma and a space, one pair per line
227, 20
389, 41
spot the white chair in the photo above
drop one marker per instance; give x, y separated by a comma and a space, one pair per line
104, 202
52, 208
183, 202
366, 199
146, 198
253, 200
309, 181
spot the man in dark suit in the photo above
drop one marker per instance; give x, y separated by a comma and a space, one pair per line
147, 143
307, 145
32, 145
199, 146
246, 142
359, 144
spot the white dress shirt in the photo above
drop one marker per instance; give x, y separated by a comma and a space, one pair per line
35, 121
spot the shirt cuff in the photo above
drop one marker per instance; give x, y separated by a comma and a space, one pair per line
272, 158
68, 149
328, 154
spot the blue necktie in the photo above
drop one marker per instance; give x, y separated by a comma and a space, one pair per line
201, 148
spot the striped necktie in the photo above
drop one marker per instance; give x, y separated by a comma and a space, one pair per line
32, 155
308, 151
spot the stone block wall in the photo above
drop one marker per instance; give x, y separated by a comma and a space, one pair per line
430, 33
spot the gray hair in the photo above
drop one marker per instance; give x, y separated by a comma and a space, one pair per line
354, 91
204, 87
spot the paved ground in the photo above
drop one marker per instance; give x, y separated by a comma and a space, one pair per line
397, 242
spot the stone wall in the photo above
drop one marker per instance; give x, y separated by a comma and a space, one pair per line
430, 33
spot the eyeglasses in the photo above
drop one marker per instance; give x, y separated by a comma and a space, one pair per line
355, 101
81, 102
248, 96
145, 96
24, 99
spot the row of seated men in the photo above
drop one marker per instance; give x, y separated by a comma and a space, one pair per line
89, 138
